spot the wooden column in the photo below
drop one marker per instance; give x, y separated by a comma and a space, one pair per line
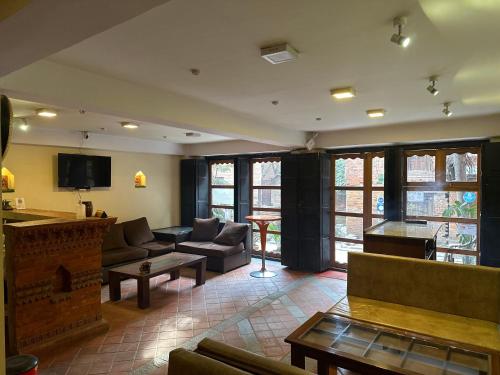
53, 270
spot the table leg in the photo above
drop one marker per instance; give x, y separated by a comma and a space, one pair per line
263, 239
174, 275
114, 286
200, 272
298, 358
143, 292
324, 368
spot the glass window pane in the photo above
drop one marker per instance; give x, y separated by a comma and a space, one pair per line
349, 172
378, 171
223, 174
223, 213
223, 196
457, 236
349, 227
273, 225
461, 167
349, 201
457, 258
266, 198
421, 168
273, 243
342, 248
378, 202
266, 173
442, 204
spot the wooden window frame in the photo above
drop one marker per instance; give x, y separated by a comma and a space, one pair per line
252, 208
441, 185
211, 186
367, 190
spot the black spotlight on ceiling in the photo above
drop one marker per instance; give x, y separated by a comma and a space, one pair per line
446, 109
432, 86
399, 38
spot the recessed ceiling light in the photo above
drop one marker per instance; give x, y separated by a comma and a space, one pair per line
44, 112
375, 113
279, 53
343, 93
318, 118
129, 125
432, 87
195, 71
275, 102
399, 38
193, 134
446, 109
24, 126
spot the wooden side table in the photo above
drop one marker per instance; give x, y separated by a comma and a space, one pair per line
263, 222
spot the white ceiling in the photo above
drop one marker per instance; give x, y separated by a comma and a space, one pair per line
341, 43
72, 119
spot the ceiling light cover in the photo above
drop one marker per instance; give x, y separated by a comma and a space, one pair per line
375, 113
129, 125
44, 112
279, 53
343, 93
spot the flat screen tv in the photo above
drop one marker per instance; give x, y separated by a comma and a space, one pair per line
83, 171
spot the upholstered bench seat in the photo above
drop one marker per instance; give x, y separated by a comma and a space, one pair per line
209, 249
157, 248
451, 327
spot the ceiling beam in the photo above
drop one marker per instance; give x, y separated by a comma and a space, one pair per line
32, 30
480, 127
61, 85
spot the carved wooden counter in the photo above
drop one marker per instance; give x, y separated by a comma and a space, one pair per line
53, 271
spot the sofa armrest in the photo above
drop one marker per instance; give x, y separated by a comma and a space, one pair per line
185, 362
247, 242
245, 360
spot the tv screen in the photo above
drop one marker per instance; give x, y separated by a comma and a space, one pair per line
83, 171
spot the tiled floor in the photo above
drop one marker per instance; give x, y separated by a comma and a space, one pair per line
254, 314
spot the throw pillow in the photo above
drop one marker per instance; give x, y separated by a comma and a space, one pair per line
115, 238
137, 232
205, 229
232, 234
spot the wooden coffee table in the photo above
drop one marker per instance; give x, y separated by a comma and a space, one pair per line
336, 341
170, 263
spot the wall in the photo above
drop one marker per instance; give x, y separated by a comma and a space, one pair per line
35, 171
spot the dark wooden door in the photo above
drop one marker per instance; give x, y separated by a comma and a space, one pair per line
490, 205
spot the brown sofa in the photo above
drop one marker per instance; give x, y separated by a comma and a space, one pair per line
129, 242
459, 303
220, 258
215, 358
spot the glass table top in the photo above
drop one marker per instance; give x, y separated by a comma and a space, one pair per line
398, 350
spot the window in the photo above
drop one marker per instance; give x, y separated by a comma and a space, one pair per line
265, 199
442, 187
357, 201
221, 192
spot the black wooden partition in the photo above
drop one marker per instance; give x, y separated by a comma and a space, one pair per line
194, 190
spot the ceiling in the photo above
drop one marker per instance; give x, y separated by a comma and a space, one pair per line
341, 43
71, 119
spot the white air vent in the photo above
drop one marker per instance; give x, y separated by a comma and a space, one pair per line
279, 53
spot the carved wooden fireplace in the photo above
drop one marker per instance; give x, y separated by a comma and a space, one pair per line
53, 270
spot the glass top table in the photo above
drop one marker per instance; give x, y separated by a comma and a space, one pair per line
367, 348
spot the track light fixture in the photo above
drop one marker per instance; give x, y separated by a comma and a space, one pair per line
446, 109
432, 86
399, 38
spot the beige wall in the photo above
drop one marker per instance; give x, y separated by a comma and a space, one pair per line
35, 171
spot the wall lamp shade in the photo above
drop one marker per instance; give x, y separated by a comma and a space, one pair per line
343, 93
376, 113
140, 180
7, 180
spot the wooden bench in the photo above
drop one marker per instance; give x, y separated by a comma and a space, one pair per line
455, 302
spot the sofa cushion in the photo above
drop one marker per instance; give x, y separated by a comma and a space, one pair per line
137, 231
114, 238
156, 248
209, 249
205, 229
232, 234
122, 255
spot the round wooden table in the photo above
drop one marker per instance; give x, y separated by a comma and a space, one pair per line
263, 222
